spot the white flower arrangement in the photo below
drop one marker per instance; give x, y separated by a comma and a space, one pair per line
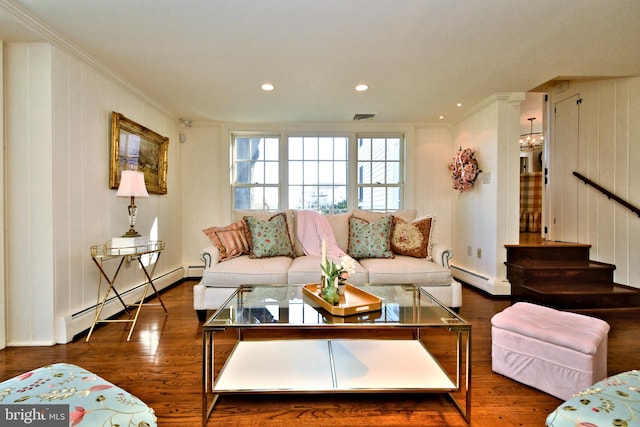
341, 271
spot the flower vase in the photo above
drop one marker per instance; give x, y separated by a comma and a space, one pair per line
330, 294
342, 286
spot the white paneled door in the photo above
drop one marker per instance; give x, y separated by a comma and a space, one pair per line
563, 186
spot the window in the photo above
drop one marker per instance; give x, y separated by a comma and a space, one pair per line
256, 170
329, 174
318, 170
379, 173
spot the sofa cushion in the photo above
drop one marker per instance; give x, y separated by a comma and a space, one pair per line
269, 238
306, 269
340, 225
412, 238
230, 240
404, 269
244, 270
407, 215
370, 239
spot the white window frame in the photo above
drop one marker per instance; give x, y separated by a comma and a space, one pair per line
262, 185
353, 186
319, 186
360, 186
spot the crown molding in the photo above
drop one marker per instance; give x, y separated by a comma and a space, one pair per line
35, 25
513, 98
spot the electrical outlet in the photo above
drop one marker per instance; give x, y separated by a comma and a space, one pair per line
479, 253
468, 250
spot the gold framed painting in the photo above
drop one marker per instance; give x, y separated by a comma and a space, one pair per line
134, 147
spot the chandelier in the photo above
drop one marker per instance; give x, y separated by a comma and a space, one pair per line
530, 141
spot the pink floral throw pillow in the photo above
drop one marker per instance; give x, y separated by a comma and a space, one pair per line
412, 238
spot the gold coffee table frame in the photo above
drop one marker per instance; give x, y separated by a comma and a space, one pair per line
101, 253
282, 307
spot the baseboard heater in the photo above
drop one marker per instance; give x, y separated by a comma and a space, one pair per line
195, 271
479, 276
491, 285
123, 294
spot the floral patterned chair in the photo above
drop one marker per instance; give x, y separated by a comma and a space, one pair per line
92, 400
614, 401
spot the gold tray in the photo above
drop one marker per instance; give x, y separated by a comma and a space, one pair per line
354, 300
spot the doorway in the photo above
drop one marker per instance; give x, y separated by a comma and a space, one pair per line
563, 206
532, 147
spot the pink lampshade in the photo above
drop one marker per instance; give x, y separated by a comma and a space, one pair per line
132, 184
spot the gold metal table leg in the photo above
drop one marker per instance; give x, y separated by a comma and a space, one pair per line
144, 293
110, 288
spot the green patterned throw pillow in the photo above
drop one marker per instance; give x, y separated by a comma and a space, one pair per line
370, 239
269, 238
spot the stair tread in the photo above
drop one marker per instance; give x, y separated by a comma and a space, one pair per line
563, 276
580, 289
559, 264
548, 244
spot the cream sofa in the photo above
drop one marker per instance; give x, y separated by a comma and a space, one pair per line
221, 278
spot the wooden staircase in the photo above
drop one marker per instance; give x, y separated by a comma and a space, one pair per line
561, 275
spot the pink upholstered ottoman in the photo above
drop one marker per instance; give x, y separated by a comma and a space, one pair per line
554, 351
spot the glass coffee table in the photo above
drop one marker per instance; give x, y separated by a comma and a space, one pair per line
332, 363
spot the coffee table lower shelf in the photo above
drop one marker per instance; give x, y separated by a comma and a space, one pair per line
330, 366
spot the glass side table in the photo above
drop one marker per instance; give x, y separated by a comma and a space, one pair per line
105, 252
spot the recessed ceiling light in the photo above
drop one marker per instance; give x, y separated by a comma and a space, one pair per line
362, 87
267, 87
441, 117
459, 104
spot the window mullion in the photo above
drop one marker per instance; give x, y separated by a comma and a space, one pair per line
352, 170
284, 171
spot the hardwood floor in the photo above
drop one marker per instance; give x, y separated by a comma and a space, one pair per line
531, 239
162, 365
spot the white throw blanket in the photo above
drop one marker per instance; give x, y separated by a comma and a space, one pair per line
312, 227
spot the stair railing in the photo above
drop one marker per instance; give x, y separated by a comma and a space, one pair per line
608, 193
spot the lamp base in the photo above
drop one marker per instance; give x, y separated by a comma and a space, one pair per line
131, 233
128, 242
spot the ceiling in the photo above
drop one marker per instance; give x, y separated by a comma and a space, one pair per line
206, 59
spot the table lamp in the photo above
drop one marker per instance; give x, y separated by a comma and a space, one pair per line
132, 185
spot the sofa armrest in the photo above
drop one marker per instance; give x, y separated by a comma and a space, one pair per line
442, 254
210, 255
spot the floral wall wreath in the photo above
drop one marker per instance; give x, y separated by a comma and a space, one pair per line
464, 169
